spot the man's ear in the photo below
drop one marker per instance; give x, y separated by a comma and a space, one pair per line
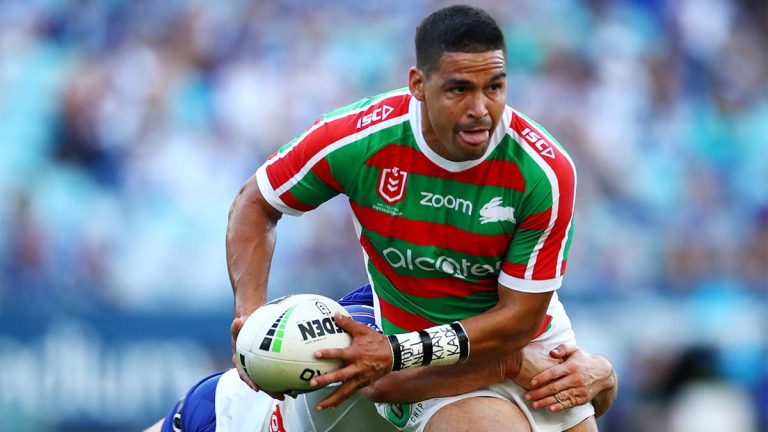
416, 83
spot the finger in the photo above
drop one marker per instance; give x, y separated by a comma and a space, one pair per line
563, 400
342, 374
351, 326
339, 395
332, 353
562, 351
552, 388
548, 402
237, 324
549, 374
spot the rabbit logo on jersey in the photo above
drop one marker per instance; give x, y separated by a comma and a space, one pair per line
392, 184
493, 211
461, 269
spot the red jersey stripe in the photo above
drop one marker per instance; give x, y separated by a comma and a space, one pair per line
536, 221
514, 270
549, 254
293, 203
425, 233
404, 320
489, 173
323, 170
283, 166
544, 326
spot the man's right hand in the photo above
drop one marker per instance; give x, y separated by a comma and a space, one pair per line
581, 377
564, 377
532, 360
237, 325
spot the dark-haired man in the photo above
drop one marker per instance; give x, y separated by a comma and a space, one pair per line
464, 210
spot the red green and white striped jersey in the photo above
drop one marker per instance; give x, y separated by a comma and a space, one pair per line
437, 235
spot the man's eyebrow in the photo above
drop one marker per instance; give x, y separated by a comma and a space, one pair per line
457, 82
498, 76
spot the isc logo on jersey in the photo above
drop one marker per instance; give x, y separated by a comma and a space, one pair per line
380, 113
542, 146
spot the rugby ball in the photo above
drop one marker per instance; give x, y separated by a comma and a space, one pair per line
277, 343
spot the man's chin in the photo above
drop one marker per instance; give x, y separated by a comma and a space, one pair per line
472, 152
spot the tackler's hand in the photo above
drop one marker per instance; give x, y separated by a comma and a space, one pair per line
573, 382
367, 359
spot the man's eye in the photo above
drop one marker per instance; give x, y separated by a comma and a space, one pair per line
495, 87
457, 90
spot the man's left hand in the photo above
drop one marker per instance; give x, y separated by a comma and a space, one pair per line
367, 359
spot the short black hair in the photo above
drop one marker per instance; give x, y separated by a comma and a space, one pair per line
457, 28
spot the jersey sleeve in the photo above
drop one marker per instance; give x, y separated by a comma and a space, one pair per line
325, 159
537, 256
298, 177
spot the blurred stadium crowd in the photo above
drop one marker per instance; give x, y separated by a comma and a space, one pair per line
128, 126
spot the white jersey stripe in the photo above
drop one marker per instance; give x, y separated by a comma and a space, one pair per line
271, 196
553, 180
543, 133
555, 200
530, 286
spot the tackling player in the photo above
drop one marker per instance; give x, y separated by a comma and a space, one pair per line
464, 209
224, 403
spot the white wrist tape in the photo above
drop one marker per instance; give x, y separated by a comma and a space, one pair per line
440, 345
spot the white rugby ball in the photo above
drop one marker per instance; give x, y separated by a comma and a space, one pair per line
277, 343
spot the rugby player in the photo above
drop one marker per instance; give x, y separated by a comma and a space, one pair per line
464, 209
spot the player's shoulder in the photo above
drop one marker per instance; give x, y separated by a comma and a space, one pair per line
385, 108
545, 152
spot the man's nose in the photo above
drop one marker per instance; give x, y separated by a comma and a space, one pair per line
478, 108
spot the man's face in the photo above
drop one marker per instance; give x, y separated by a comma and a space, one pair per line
463, 102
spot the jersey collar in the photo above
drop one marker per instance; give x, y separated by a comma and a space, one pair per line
414, 114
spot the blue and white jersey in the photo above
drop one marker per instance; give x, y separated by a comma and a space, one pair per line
223, 403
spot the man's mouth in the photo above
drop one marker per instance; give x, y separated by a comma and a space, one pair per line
475, 137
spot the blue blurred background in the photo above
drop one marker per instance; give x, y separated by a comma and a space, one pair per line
128, 126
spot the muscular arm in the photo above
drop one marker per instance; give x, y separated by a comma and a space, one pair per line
502, 330
418, 384
250, 245
507, 327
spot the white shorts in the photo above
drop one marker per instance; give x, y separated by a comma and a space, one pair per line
414, 417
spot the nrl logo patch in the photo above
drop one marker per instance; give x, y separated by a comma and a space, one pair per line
392, 184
